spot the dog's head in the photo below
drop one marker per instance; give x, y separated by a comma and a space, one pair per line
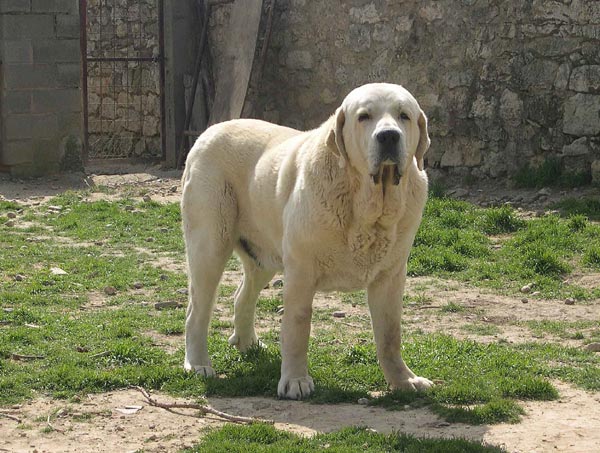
380, 127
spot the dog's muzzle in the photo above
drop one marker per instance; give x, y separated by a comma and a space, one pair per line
388, 155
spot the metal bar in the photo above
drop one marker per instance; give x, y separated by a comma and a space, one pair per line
161, 56
197, 67
84, 77
265, 44
112, 59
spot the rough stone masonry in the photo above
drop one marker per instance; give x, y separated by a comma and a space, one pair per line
504, 83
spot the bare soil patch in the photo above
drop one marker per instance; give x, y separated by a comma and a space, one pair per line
95, 423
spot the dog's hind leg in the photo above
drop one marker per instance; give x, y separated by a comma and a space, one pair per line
208, 223
255, 279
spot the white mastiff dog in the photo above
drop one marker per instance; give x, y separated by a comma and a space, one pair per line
336, 208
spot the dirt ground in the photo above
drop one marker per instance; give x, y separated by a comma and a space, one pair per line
103, 422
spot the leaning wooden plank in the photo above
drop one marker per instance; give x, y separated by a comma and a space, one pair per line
238, 56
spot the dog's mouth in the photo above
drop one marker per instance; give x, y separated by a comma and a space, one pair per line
387, 173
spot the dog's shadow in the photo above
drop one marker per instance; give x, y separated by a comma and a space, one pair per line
257, 372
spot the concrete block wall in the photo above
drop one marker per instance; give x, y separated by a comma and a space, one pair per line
40, 83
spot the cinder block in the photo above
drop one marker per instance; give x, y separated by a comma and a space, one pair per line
67, 26
19, 51
45, 126
55, 6
71, 124
69, 75
56, 51
18, 127
16, 102
17, 152
27, 26
23, 77
15, 6
56, 101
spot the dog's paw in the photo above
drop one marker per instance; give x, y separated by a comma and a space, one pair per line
415, 383
202, 371
243, 344
295, 388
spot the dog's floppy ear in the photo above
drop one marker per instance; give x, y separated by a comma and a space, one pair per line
335, 139
424, 141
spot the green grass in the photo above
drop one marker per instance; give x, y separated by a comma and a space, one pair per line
455, 241
264, 438
588, 207
85, 348
549, 174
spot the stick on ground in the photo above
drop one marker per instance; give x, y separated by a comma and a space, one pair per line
203, 408
11, 417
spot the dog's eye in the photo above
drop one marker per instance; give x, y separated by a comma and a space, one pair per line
404, 117
363, 117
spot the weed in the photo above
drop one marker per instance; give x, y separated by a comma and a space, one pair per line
589, 207
549, 173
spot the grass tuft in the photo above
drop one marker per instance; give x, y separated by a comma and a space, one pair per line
265, 438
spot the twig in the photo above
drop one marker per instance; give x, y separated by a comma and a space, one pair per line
203, 408
52, 427
100, 354
12, 417
16, 356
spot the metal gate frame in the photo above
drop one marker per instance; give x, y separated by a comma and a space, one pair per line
160, 59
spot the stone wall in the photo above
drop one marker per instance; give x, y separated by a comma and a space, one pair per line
504, 83
40, 94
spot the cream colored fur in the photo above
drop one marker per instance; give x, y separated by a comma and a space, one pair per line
310, 204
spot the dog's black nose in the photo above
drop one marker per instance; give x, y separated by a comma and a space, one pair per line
388, 137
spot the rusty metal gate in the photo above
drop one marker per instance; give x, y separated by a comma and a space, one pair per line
123, 78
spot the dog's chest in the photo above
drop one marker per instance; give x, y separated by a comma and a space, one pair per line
355, 262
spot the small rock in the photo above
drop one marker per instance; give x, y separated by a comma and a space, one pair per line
110, 290
280, 309
11, 215
363, 401
129, 208
164, 277
526, 289
57, 271
524, 300
55, 208
183, 291
138, 285
146, 198
460, 193
150, 239
99, 243
278, 283
339, 314
543, 192
535, 293
10, 223
19, 278
173, 189
570, 301
164, 230
594, 347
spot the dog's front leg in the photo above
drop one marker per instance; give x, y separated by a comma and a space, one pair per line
384, 297
298, 293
